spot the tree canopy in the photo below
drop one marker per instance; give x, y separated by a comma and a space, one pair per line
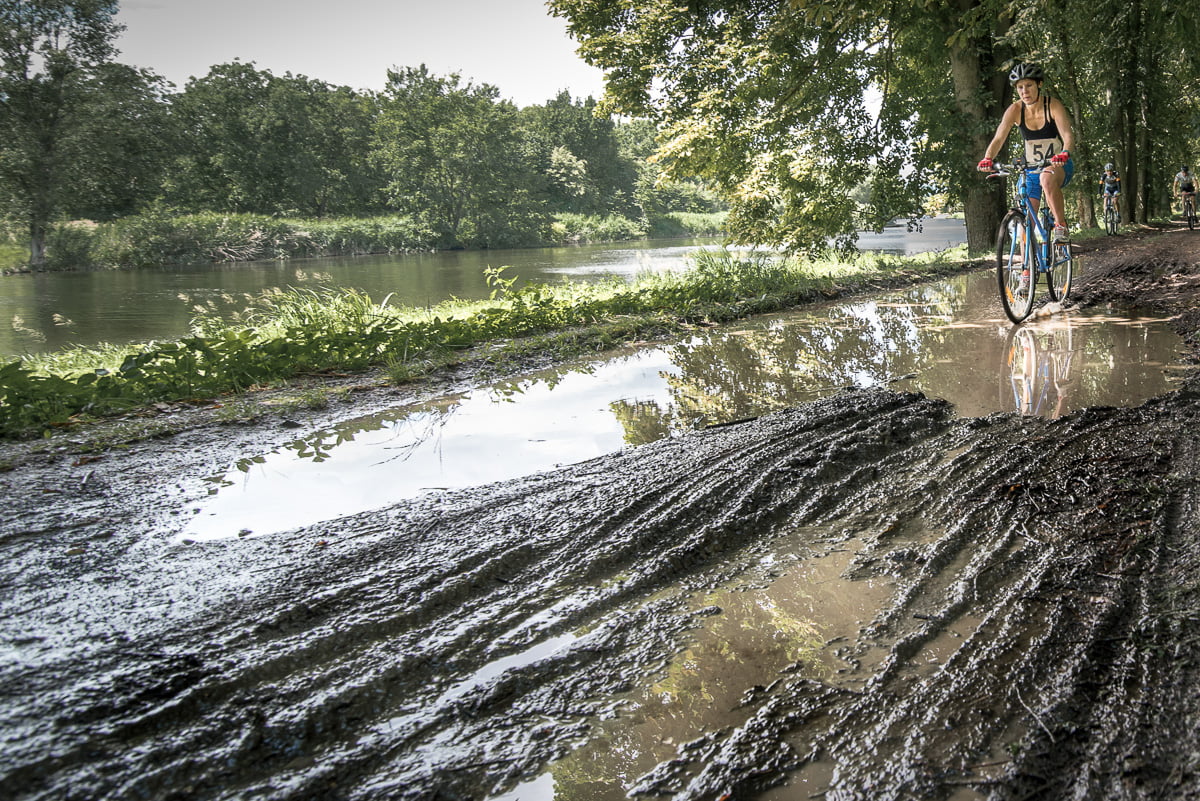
789, 106
253, 141
51, 55
451, 152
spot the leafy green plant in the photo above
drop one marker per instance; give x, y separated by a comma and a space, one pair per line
12, 255
570, 227
69, 246
684, 223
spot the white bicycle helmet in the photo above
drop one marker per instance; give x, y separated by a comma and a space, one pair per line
1022, 71
1108, 167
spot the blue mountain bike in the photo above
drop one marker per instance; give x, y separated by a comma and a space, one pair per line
1024, 250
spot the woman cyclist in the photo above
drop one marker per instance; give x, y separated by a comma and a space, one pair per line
1110, 188
1048, 133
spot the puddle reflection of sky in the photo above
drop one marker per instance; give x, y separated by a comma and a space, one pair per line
937, 342
486, 437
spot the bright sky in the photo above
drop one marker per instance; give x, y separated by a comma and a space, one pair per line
515, 45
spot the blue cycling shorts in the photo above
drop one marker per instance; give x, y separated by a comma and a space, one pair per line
1033, 179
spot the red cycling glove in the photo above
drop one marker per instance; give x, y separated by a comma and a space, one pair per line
1060, 158
985, 165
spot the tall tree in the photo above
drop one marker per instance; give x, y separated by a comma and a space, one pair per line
654, 194
1123, 67
788, 107
977, 61
49, 52
124, 141
257, 142
580, 152
452, 153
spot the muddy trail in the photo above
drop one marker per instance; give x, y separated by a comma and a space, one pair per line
1038, 635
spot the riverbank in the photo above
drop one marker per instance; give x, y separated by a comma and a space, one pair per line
158, 239
1024, 615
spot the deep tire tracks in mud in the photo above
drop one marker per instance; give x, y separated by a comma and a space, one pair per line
447, 647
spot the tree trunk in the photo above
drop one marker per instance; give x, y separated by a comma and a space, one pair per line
40, 209
980, 92
1083, 154
1143, 146
37, 244
1152, 157
1130, 181
1128, 103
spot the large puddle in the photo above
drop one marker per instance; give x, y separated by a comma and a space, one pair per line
948, 340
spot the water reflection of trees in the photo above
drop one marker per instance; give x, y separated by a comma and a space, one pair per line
941, 333
729, 375
700, 691
643, 420
411, 427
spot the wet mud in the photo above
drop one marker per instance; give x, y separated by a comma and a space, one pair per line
1028, 591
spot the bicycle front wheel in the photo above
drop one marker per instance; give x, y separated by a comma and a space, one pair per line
1189, 211
1110, 220
1014, 254
1061, 272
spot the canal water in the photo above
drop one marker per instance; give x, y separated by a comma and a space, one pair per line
947, 339
44, 312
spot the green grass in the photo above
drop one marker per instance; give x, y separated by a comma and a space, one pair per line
578, 228
281, 335
12, 257
684, 223
159, 237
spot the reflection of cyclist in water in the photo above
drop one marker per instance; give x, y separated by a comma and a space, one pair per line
1039, 371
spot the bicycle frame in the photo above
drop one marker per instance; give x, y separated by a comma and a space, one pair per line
1189, 208
1026, 250
1041, 225
1038, 221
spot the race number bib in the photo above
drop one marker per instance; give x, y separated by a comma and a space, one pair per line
1041, 149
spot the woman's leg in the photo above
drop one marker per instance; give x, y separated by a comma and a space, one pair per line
1052, 184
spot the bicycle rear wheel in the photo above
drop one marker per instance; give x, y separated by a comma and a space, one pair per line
1061, 272
1014, 254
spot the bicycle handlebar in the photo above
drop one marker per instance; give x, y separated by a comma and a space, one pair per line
1000, 170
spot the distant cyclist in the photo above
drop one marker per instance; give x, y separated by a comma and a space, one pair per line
1110, 188
1184, 183
1048, 134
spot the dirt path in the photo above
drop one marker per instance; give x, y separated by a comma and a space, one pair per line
1042, 638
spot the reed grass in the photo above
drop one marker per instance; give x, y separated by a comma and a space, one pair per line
163, 237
